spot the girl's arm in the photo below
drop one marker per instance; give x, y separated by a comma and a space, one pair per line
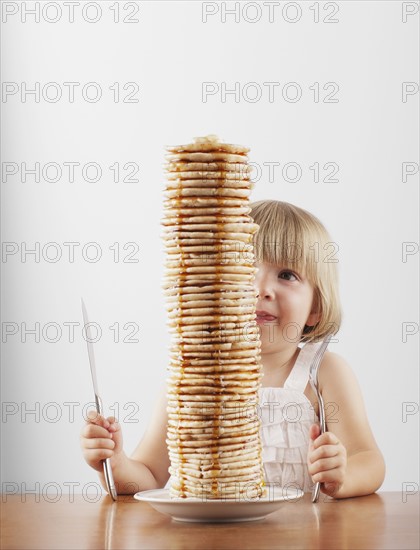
147, 468
346, 459
152, 450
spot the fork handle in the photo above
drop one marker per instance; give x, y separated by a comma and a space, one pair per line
315, 492
317, 488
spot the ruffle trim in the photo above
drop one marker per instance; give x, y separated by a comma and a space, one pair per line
289, 474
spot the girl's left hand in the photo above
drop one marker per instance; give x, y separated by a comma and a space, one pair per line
327, 460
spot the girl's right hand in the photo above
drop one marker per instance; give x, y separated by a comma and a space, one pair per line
101, 438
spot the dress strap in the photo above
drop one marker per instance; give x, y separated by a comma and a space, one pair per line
299, 375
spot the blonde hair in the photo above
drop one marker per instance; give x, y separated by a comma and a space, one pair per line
295, 239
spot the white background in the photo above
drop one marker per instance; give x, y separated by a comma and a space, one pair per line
170, 52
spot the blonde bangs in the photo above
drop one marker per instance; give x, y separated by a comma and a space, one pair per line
294, 239
286, 237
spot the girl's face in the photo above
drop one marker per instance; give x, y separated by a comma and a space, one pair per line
284, 306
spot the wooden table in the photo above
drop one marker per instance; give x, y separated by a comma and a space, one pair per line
376, 521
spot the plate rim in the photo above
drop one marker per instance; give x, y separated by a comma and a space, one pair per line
140, 496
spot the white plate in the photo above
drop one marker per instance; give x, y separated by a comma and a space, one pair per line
194, 509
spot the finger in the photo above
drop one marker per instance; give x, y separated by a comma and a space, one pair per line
314, 431
94, 455
330, 489
99, 443
93, 417
325, 451
328, 476
323, 465
114, 425
327, 438
92, 430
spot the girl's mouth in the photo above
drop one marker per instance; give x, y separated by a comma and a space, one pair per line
263, 316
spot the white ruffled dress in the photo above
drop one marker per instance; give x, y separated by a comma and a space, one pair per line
286, 415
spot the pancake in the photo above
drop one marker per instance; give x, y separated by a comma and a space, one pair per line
213, 431
208, 143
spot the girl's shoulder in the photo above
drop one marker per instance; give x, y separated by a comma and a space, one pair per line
330, 359
335, 372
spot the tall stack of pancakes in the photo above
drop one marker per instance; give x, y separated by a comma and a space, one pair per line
213, 425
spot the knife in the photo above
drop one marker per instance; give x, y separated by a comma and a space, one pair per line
109, 478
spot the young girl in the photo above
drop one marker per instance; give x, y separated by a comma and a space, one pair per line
297, 289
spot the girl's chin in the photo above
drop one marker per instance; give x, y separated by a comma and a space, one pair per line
271, 331
274, 333
275, 339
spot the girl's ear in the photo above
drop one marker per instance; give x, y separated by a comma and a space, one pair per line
313, 319
315, 315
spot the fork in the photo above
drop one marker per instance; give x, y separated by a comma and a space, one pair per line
313, 379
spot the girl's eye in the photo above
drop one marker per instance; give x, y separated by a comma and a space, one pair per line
287, 276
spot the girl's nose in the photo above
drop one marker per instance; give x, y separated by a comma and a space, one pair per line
263, 288
264, 293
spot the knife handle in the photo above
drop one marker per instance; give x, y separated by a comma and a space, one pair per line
109, 478
98, 403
